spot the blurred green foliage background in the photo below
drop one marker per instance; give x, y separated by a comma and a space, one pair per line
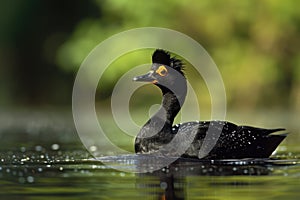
254, 43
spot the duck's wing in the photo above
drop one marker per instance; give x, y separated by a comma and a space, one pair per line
221, 139
260, 142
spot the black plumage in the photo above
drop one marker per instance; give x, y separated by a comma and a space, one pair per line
208, 139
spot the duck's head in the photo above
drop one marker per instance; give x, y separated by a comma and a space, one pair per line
166, 72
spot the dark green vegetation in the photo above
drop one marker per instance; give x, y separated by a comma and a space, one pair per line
255, 44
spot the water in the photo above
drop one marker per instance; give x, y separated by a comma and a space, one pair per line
70, 175
43, 158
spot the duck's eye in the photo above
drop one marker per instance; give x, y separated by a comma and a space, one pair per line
162, 70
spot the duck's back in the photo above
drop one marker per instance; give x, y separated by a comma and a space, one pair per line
221, 139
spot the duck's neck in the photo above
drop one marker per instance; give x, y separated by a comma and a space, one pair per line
161, 122
171, 105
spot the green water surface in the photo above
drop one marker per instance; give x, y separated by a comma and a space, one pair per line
45, 159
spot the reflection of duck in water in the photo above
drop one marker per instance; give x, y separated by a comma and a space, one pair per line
228, 140
174, 181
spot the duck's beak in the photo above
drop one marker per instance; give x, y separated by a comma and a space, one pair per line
146, 78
